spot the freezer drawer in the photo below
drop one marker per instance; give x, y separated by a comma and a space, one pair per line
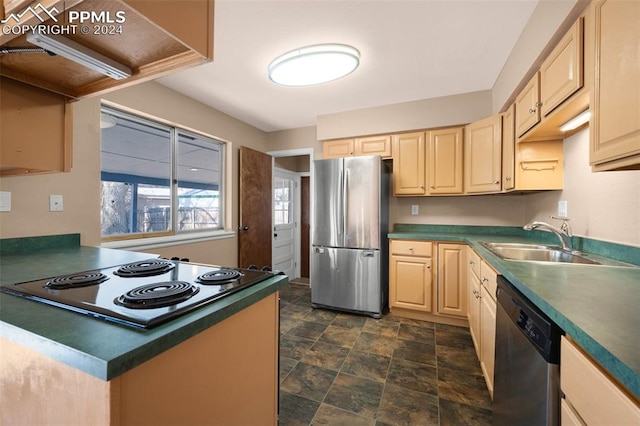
347, 279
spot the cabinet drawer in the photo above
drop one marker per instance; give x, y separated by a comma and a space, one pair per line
595, 397
473, 261
411, 247
489, 279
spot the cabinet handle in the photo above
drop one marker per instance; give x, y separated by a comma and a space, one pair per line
485, 280
496, 182
532, 110
471, 262
410, 248
508, 178
538, 104
432, 187
428, 266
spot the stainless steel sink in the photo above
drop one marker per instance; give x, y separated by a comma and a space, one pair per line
536, 253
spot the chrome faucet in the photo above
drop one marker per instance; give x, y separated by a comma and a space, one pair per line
563, 233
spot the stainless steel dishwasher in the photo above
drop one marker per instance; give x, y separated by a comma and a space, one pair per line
527, 362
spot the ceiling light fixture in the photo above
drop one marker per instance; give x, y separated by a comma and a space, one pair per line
80, 54
314, 64
576, 121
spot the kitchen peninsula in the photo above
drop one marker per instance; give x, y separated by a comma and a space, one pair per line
61, 367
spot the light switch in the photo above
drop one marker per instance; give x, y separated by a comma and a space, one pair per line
414, 209
55, 203
5, 201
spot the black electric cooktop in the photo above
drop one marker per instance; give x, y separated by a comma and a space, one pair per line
142, 294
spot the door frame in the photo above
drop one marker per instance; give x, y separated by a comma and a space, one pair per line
297, 217
294, 153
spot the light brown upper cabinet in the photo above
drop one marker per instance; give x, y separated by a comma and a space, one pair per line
152, 40
36, 130
528, 106
615, 95
483, 155
369, 145
444, 162
409, 164
374, 145
338, 148
557, 92
508, 149
561, 73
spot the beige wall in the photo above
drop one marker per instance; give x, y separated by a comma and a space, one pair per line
80, 188
424, 114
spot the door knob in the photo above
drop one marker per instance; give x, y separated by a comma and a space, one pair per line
275, 235
244, 228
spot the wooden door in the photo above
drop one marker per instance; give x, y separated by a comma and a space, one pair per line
445, 161
254, 231
338, 148
452, 279
508, 149
561, 74
483, 155
615, 103
374, 145
409, 164
410, 283
305, 225
528, 106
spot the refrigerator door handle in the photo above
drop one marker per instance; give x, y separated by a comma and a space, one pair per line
319, 250
345, 205
368, 254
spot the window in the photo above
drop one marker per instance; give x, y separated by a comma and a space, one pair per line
282, 204
158, 179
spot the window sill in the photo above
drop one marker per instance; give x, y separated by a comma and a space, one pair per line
168, 241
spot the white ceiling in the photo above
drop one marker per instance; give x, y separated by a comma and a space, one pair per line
410, 50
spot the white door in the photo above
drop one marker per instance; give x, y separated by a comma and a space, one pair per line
286, 195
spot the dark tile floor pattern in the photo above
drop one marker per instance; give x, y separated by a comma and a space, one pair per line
342, 369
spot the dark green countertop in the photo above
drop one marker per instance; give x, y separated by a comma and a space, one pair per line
100, 348
598, 306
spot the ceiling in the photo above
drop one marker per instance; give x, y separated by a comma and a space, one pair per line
410, 50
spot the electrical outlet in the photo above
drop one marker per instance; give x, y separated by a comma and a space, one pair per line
562, 208
414, 209
5, 201
55, 203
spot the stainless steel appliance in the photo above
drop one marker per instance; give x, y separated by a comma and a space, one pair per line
527, 365
141, 294
349, 256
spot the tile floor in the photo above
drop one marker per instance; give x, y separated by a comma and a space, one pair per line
342, 369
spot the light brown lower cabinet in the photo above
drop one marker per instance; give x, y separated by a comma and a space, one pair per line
210, 377
591, 397
482, 284
428, 281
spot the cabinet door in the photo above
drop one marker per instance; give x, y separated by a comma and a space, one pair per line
473, 301
591, 392
409, 164
374, 145
410, 283
338, 148
483, 155
508, 149
615, 100
445, 161
528, 106
561, 74
452, 279
487, 337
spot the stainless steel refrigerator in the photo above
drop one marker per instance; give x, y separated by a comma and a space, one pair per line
349, 253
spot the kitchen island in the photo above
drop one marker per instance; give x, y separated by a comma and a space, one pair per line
215, 365
597, 306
